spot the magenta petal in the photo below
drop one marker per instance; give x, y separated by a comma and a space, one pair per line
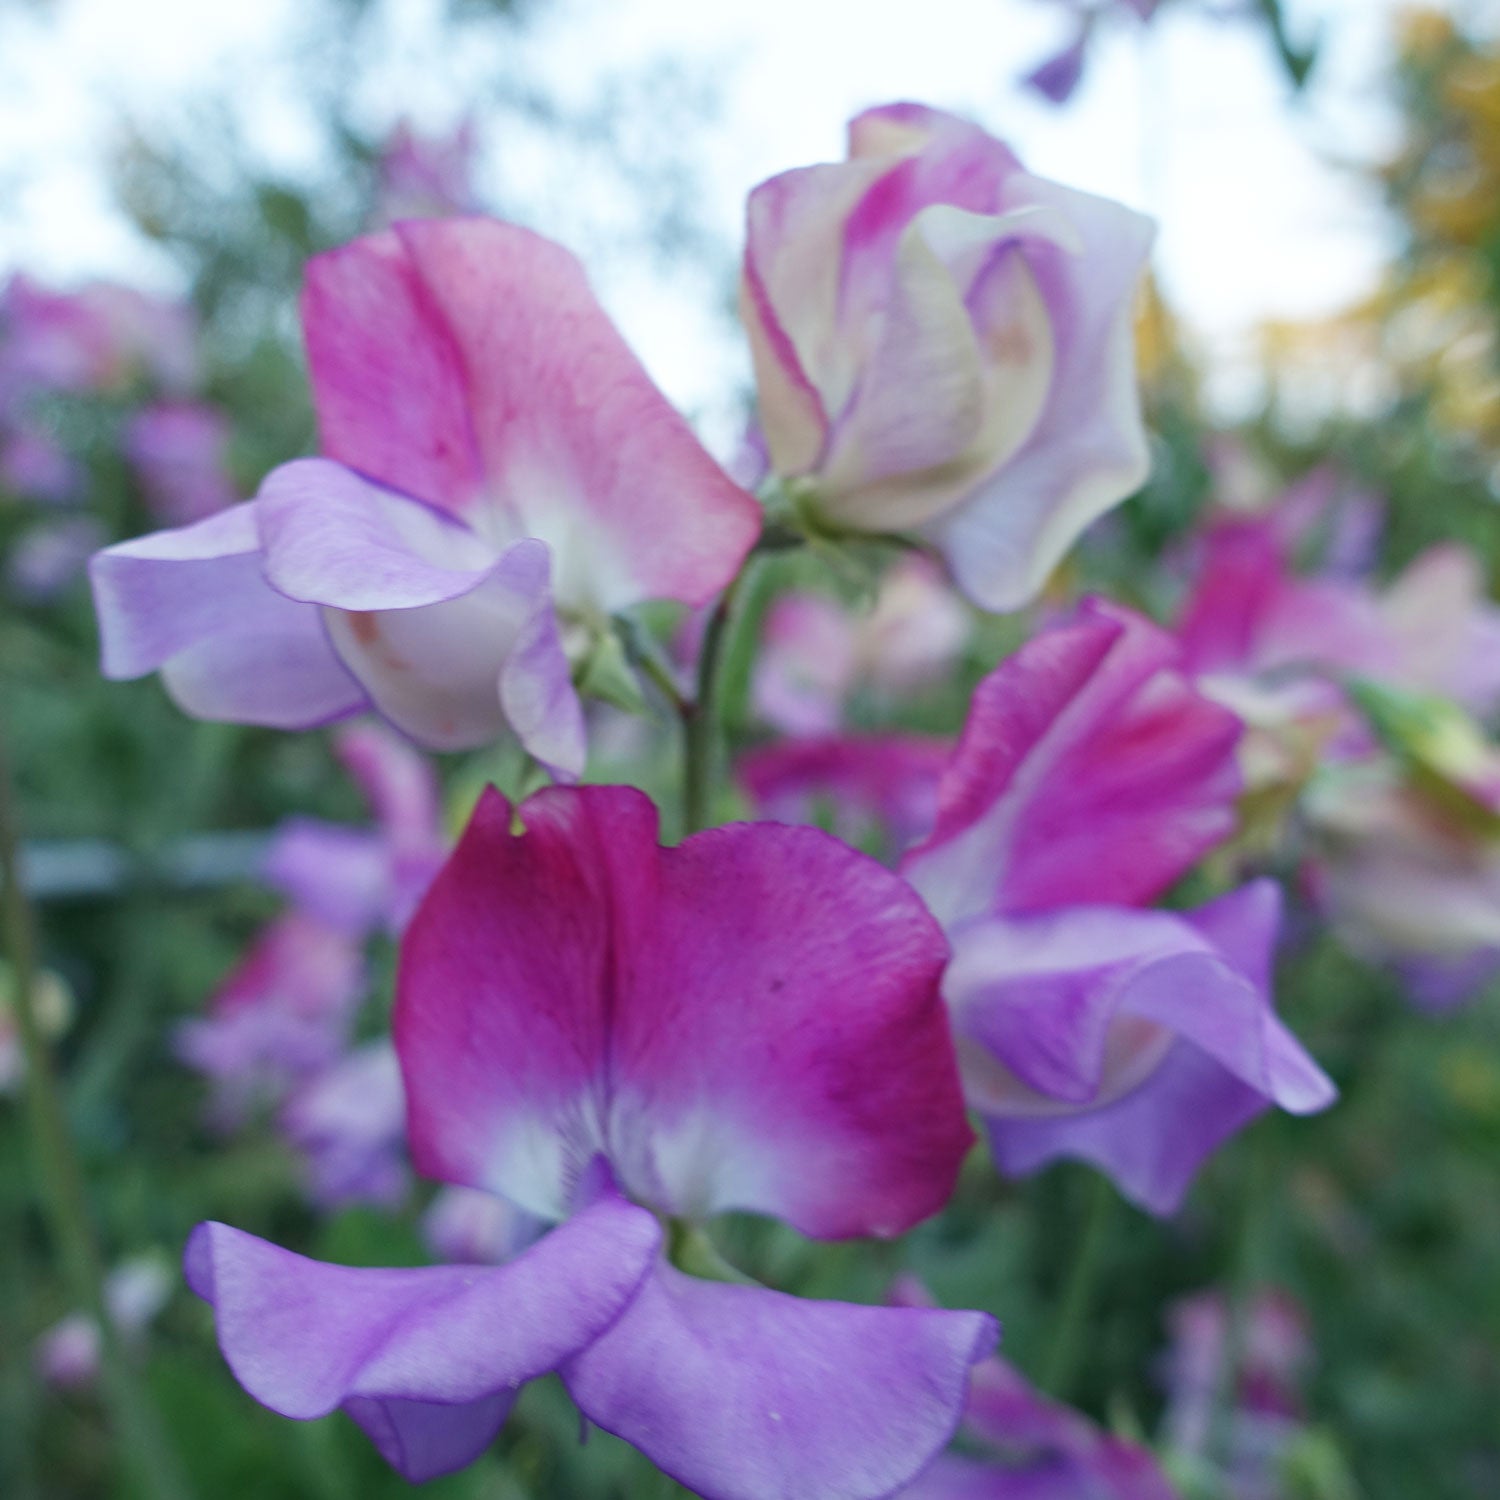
749, 1020
195, 604
741, 1393
1089, 770
428, 1359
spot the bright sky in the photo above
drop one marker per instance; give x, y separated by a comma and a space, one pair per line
1189, 119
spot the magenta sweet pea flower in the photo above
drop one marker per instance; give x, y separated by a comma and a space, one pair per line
876, 790
603, 1031
944, 343
1089, 771
1090, 776
282, 1015
501, 476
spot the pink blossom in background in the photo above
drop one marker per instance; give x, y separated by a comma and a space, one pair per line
1400, 876
944, 343
586, 1022
34, 467
179, 451
877, 792
501, 476
816, 654
283, 1014
135, 1291
93, 339
1264, 1388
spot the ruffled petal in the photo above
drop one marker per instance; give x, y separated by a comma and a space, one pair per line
1089, 770
427, 1360
194, 603
741, 1393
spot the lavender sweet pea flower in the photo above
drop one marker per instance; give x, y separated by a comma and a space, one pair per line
501, 476
943, 342
178, 450
747, 1021
425, 177
1091, 776
1136, 1040
359, 879
33, 466
348, 1125
1037, 1450
1264, 1387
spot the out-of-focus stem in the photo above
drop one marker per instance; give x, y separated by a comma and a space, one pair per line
1078, 1291
700, 740
61, 1180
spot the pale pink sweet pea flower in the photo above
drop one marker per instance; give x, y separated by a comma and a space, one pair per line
1399, 876
604, 1031
501, 477
1091, 775
944, 343
135, 1291
816, 653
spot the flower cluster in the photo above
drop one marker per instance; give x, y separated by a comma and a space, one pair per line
602, 1043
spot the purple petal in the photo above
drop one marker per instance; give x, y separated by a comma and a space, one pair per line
741, 1393
427, 1360
195, 604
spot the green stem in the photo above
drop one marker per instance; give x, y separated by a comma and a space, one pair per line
147, 1453
1078, 1291
700, 745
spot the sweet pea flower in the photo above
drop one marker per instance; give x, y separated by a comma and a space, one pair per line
1264, 1387
1035, 1448
358, 879
178, 450
93, 339
816, 654
878, 790
1403, 877
135, 1291
944, 343
1091, 776
348, 1125
282, 1015
501, 476
602, 1031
